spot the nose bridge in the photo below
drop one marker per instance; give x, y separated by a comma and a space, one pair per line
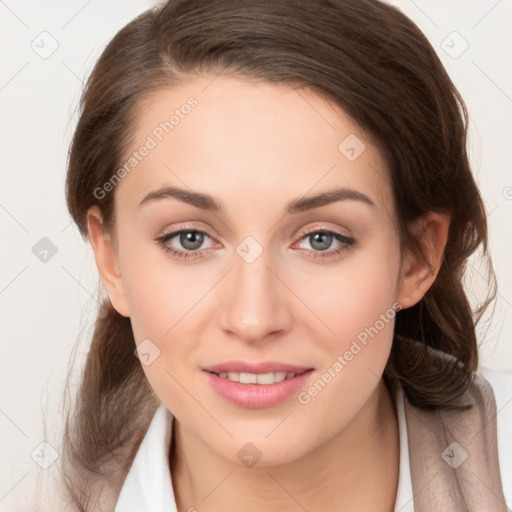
254, 305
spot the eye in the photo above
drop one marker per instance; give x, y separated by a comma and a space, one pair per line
190, 240
321, 240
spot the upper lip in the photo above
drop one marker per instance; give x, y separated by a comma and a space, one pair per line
261, 367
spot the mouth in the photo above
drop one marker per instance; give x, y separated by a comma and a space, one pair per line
268, 387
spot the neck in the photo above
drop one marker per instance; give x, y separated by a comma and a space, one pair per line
357, 469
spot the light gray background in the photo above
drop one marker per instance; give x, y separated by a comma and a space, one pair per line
45, 305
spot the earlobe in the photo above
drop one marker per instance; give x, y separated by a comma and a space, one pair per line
419, 271
106, 260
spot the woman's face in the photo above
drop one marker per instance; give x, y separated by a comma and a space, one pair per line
314, 285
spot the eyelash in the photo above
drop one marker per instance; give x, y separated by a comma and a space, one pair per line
347, 244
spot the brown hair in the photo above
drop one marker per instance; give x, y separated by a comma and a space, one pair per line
363, 56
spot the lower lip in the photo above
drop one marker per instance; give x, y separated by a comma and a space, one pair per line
257, 396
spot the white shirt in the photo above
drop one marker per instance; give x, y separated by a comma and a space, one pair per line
148, 485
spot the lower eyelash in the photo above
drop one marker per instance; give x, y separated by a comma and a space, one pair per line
182, 254
348, 243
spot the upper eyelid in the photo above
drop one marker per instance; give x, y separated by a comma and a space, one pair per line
305, 232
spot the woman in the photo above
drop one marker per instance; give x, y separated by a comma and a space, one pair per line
281, 209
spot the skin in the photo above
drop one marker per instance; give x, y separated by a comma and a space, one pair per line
254, 147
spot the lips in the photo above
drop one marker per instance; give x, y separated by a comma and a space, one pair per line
259, 395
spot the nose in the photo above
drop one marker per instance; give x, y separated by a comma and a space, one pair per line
256, 304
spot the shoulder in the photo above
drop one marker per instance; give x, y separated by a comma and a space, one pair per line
464, 451
501, 384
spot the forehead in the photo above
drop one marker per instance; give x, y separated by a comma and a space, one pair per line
232, 137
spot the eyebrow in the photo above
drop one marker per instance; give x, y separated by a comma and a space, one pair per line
207, 202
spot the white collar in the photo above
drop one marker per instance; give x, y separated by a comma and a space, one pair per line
148, 485
404, 495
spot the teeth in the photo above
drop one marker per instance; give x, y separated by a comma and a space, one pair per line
256, 378
270, 378
247, 378
235, 377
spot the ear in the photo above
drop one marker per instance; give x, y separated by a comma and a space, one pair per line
419, 272
106, 260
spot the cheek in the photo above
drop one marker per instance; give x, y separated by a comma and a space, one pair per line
357, 305
172, 305
165, 309
354, 295
360, 309
159, 290
167, 302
